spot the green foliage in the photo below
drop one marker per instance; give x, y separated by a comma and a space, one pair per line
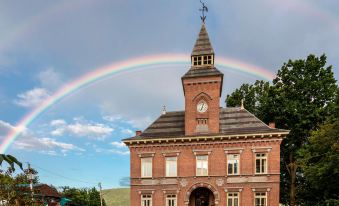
14, 188
254, 96
303, 89
117, 197
10, 160
319, 160
303, 96
82, 197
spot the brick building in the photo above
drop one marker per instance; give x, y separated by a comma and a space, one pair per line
205, 155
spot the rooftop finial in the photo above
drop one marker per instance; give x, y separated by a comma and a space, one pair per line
242, 104
203, 10
163, 110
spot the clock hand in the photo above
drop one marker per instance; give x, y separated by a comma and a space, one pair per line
202, 106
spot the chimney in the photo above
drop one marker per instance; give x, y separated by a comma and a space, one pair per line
271, 125
138, 133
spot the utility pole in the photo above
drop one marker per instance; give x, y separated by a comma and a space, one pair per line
100, 193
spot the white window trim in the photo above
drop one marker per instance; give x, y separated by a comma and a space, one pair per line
146, 198
238, 197
255, 163
238, 172
172, 198
141, 171
176, 162
196, 165
202, 60
255, 196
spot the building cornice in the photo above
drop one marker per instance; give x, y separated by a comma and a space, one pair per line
162, 140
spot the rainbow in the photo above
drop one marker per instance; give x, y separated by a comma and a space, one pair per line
115, 68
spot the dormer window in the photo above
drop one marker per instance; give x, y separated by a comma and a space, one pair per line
197, 60
202, 60
208, 59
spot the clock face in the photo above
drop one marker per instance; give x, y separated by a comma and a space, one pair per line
202, 107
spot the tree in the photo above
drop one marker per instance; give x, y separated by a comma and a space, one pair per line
319, 160
10, 160
82, 197
254, 96
14, 190
302, 96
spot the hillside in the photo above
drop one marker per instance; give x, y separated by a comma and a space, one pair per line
116, 197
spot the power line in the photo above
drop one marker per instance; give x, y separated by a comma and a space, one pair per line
68, 178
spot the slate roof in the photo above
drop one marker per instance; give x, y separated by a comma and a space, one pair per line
204, 71
233, 121
202, 45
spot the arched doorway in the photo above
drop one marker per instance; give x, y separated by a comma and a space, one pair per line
201, 196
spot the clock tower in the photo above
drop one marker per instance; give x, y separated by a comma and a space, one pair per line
202, 86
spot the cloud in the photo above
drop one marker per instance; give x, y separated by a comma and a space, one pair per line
119, 148
44, 145
127, 131
32, 98
30, 142
5, 127
118, 144
112, 118
58, 122
49, 79
137, 121
81, 129
112, 151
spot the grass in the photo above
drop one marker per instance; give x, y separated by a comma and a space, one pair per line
116, 197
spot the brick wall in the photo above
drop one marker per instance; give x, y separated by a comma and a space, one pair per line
247, 183
207, 88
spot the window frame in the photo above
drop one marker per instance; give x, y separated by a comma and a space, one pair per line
261, 159
146, 197
142, 159
238, 164
173, 198
233, 198
260, 197
201, 60
167, 169
196, 165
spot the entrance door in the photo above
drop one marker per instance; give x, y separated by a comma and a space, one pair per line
201, 197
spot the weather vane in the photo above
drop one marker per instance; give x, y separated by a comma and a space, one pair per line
203, 10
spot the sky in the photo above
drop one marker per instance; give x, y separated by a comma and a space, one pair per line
47, 44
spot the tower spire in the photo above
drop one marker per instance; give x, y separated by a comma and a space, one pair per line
203, 44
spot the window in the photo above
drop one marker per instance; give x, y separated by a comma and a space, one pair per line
197, 60
202, 165
260, 199
171, 200
171, 166
146, 167
208, 59
260, 163
233, 164
233, 199
146, 200
202, 60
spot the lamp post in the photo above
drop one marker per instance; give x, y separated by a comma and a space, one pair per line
31, 177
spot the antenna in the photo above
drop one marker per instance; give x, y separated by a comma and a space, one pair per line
203, 10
